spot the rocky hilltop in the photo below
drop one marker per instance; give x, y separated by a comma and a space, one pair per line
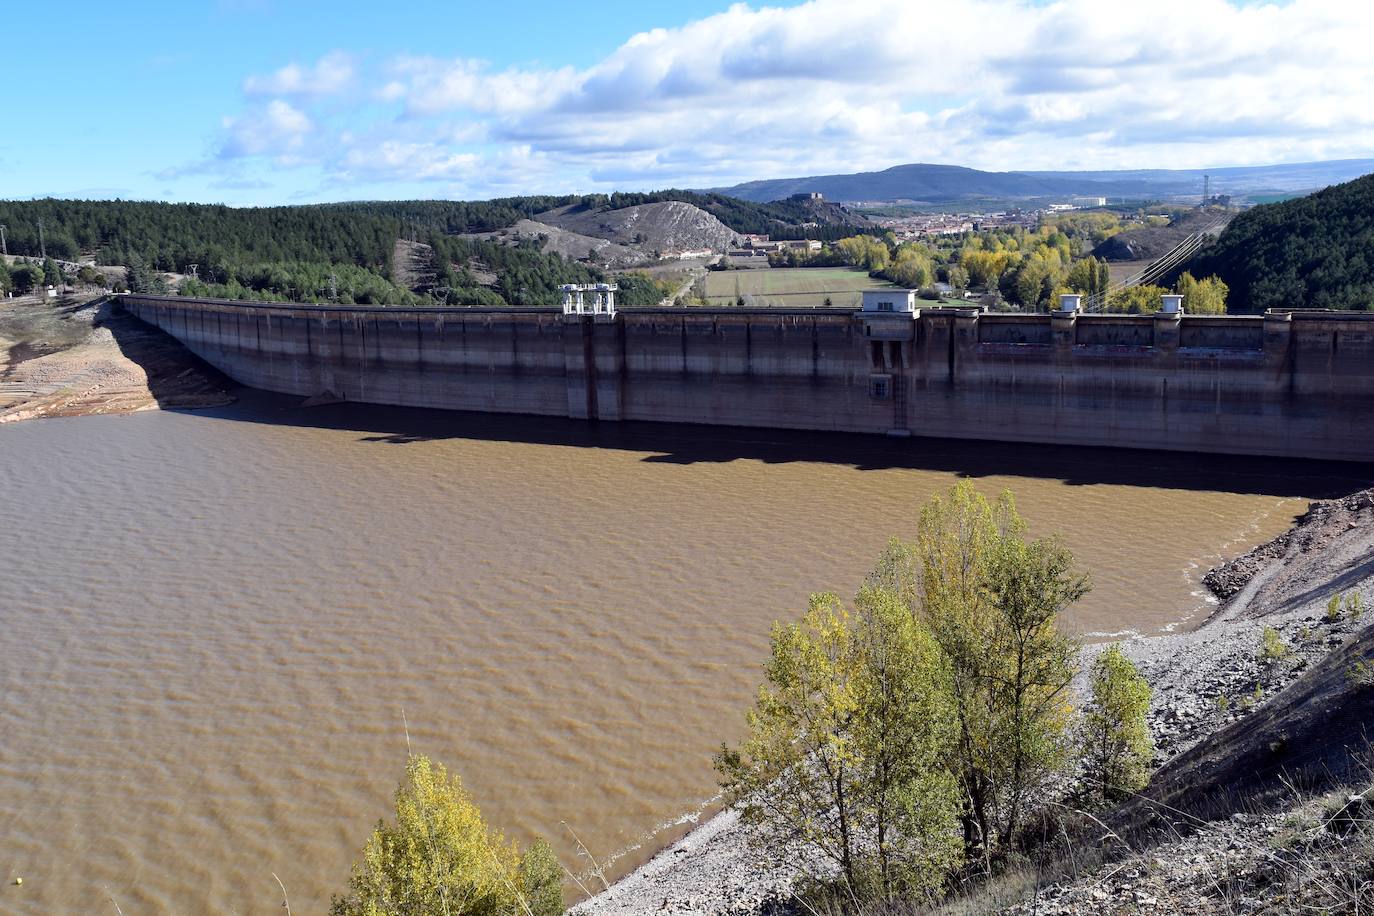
669, 226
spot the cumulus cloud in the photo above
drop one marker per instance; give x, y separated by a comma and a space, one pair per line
277, 130
841, 85
431, 86
331, 74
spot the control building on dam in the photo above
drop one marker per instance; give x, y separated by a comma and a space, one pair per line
1297, 384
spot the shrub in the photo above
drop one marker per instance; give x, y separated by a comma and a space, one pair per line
1333, 607
1272, 646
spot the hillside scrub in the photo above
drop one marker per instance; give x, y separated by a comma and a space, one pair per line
1310, 252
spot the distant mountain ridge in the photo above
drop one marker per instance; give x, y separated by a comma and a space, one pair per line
933, 183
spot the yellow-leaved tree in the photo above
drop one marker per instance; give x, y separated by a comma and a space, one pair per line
845, 749
1113, 733
440, 859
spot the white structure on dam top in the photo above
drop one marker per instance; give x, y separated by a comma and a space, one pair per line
600, 302
890, 300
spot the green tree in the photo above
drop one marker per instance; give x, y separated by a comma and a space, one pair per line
1136, 300
52, 274
1088, 276
991, 598
542, 879
847, 744
1113, 734
26, 277
6, 284
1202, 297
439, 857
142, 278
911, 268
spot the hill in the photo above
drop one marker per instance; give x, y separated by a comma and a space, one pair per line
930, 183
1312, 252
570, 245
666, 226
347, 251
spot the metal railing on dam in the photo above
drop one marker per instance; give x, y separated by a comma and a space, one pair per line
1297, 383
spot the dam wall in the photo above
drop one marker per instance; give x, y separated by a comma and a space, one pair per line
1296, 384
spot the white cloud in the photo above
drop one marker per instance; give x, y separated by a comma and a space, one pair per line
842, 85
277, 130
431, 86
417, 161
331, 74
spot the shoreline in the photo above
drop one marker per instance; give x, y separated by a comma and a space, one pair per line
1282, 583
70, 358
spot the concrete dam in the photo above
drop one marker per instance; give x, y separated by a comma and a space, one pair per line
1288, 383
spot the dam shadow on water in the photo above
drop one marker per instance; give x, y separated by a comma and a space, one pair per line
668, 443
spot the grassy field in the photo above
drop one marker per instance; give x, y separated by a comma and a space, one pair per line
791, 286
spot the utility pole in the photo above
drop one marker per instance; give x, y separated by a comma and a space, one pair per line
1206, 189
333, 288
42, 248
4, 247
195, 271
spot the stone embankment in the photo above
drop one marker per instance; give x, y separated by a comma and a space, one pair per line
1208, 684
73, 358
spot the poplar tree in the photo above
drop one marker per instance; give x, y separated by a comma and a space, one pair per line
1202, 297
1113, 733
439, 857
846, 745
991, 598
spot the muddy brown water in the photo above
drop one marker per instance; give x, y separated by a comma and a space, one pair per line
212, 622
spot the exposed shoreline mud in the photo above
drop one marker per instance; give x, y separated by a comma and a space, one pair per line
1203, 681
70, 358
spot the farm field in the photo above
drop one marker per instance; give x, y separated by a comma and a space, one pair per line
791, 286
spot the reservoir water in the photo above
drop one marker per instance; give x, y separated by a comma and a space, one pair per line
211, 623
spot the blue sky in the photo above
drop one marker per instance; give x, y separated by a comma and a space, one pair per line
283, 101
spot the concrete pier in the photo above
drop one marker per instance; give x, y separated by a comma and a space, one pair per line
1297, 384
